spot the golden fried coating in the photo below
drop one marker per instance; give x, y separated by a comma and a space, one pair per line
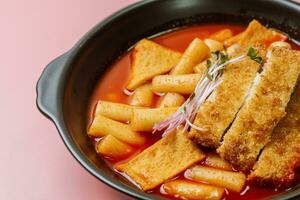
262, 110
279, 159
217, 113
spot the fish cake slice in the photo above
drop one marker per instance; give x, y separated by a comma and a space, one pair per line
262, 110
254, 33
150, 59
162, 161
219, 110
278, 161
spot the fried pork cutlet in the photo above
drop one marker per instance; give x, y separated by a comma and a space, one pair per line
262, 110
279, 159
219, 110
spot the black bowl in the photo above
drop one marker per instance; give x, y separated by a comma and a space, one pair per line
66, 84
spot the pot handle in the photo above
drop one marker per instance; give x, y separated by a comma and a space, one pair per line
47, 87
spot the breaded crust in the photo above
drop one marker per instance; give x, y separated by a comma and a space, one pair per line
217, 113
262, 110
279, 159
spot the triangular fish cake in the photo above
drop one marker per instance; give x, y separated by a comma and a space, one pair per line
148, 60
254, 33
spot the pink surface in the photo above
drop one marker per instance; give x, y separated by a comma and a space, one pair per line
35, 164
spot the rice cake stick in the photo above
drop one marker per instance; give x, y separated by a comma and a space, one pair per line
111, 147
222, 35
194, 54
234, 181
171, 100
184, 189
144, 119
102, 126
278, 161
115, 111
142, 96
219, 110
264, 107
214, 45
162, 161
183, 84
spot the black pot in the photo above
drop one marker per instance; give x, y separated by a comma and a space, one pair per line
66, 84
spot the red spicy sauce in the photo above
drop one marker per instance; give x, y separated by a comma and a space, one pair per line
111, 86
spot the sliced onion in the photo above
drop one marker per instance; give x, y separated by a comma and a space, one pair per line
127, 92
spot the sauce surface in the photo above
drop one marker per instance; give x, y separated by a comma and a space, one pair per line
110, 88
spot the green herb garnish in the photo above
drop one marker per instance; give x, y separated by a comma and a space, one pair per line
208, 75
218, 58
192, 95
253, 55
215, 55
224, 58
208, 63
184, 109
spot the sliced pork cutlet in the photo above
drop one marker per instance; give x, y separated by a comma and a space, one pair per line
279, 159
220, 109
263, 109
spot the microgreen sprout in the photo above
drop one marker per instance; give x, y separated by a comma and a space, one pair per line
253, 55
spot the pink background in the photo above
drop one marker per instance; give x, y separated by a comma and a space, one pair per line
34, 162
